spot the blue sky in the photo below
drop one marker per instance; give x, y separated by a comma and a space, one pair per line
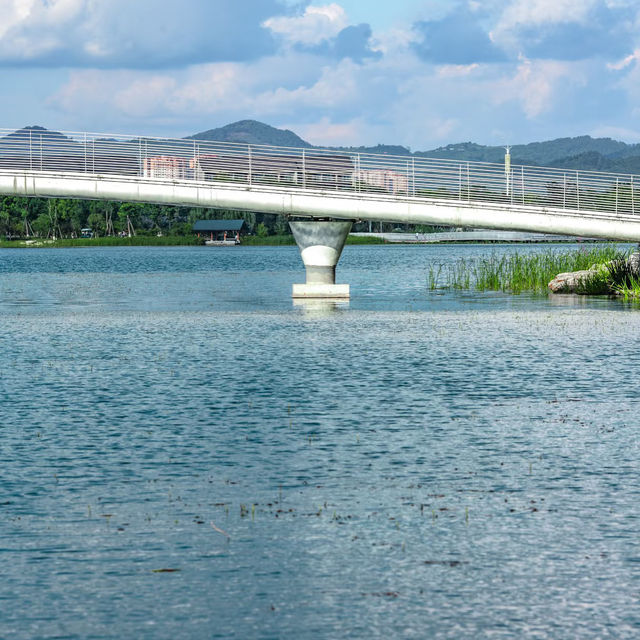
418, 73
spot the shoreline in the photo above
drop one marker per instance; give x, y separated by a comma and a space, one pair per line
158, 241
275, 241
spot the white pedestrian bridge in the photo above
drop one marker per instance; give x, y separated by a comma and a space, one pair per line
332, 188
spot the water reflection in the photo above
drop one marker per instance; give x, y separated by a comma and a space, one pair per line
584, 301
320, 307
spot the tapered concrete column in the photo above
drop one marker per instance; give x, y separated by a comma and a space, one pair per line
320, 243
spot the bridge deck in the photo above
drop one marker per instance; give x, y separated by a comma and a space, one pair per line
319, 183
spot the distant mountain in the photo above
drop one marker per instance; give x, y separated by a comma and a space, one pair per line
35, 135
582, 152
252, 132
594, 161
537, 153
35, 131
547, 152
387, 149
36, 142
465, 151
629, 151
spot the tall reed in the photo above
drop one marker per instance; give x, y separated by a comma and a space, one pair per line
517, 272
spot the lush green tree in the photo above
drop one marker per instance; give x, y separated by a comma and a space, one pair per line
181, 229
42, 225
129, 215
96, 223
70, 217
281, 227
61, 217
261, 230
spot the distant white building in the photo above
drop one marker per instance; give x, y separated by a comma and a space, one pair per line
165, 167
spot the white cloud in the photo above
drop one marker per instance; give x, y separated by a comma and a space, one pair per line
538, 12
394, 41
22, 19
535, 85
628, 80
133, 34
617, 133
141, 96
316, 24
144, 95
456, 70
397, 98
529, 14
625, 62
324, 132
569, 29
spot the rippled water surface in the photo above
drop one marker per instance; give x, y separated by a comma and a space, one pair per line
186, 454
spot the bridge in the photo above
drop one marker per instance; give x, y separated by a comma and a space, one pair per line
321, 191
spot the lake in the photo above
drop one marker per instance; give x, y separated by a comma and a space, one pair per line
185, 453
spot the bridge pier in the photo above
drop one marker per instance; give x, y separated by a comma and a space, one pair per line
320, 243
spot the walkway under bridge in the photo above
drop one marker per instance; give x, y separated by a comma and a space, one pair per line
321, 191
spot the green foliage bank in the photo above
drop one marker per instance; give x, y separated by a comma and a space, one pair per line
59, 219
65, 218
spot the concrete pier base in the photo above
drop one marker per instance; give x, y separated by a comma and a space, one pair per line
320, 243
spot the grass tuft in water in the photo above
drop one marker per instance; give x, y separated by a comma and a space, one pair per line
516, 272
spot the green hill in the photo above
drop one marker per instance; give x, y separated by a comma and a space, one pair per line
252, 132
593, 161
385, 149
546, 152
539, 153
465, 151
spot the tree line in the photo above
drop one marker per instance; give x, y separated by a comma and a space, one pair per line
65, 218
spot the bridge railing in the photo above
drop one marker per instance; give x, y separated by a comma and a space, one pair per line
328, 170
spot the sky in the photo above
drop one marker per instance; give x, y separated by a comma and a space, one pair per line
422, 74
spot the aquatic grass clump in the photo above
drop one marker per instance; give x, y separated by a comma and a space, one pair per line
597, 283
516, 272
628, 291
623, 281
